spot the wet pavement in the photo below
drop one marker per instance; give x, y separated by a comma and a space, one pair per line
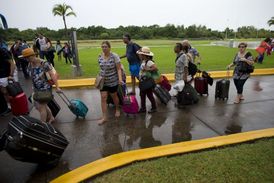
89, 141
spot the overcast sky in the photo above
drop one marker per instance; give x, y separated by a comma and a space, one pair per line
215, 14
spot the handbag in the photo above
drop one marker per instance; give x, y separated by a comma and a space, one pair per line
42, 96
99, 82
245, 67
146, 83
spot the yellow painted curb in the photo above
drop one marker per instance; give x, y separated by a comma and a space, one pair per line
87, 82
117, 160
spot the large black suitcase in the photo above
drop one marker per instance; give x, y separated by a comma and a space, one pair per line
30, 140
222, 89
162, 94
3, 139
54, 107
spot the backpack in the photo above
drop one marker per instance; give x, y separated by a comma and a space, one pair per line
192, 68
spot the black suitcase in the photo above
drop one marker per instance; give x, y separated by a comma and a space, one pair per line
30, 140
14, 89
222, 89
54, 107
162, 94
187, 96
3, 103
3, 138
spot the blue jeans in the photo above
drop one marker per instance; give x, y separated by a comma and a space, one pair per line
260, 58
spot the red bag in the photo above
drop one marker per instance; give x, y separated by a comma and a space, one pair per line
19, 104
165, 83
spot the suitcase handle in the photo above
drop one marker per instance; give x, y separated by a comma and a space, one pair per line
227, 73
64, 98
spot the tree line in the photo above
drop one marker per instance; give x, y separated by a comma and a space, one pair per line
169, 31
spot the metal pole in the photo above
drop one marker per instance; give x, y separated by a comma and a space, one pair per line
76, 66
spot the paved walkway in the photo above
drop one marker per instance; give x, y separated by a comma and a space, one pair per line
89, 141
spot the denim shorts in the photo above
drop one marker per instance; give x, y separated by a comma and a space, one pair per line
134, 70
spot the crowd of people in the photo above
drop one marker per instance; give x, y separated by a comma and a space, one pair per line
38, 60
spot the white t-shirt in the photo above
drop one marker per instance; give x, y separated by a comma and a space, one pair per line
147, 65
43, 44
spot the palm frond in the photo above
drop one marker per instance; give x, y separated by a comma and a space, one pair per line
71, 13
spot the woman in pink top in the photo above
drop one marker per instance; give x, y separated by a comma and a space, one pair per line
264, 46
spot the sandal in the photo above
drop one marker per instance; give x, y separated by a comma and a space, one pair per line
102, 121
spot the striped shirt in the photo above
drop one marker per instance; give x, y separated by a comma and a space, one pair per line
108, 69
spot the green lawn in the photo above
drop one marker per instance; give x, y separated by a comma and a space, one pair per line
213, 57
249, 162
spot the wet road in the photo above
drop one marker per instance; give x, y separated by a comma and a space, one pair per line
89, 141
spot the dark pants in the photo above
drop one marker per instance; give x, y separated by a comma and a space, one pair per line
260, 58
24, 65
42, 54
239, 83
50, 57
67, 57
149, 95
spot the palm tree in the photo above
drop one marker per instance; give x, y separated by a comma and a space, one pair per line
64, 11
271, 21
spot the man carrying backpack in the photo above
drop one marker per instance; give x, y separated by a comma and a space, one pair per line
133, 60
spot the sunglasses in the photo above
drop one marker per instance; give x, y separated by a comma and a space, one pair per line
241, 47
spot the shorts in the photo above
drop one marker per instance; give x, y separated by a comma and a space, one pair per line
109, 89
134, 70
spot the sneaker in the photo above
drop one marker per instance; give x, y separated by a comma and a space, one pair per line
6, 113
142, 110
152, 110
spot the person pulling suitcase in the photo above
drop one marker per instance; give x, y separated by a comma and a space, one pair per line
43, 77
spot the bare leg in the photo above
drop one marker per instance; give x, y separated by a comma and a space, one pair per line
104, 95
42, 108
50, 117
116, 103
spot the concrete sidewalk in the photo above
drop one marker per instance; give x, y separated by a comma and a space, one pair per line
89, 141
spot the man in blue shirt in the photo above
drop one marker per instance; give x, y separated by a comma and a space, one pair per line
133, 60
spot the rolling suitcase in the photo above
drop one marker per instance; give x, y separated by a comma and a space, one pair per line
201, 85
130, 104
19, 104
222, 89
3, 139
162, 94
54, 107
187, 96
76, 106
120, 94
31, 140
